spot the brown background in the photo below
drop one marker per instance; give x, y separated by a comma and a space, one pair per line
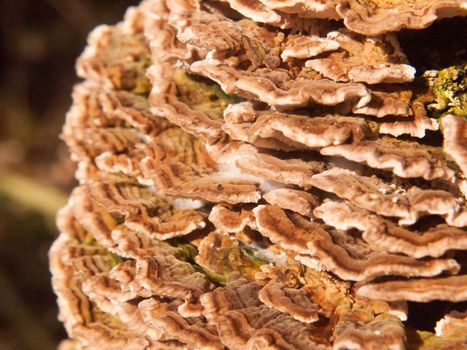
40, 40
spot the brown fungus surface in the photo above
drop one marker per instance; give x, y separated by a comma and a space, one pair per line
449, 288
379, 16
370, 60
351, 259
455, 139
304, 8
294, 302
263, 174
384, 234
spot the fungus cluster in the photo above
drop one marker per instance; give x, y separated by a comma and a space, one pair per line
263, 174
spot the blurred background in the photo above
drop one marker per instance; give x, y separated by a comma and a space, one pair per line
40, 41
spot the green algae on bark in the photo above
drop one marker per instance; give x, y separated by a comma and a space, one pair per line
449, 87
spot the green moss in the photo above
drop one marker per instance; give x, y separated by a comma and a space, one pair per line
214, 277
202, 94
141, 84
89, 240
142, 87
252, 255
231, 256
417, 339
188, 252
115, 259
449, 87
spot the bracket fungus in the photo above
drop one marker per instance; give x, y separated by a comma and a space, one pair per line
264, 174
379, 16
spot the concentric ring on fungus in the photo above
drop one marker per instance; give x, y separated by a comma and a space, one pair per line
265, 175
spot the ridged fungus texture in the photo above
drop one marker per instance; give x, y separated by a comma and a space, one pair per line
265, 174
